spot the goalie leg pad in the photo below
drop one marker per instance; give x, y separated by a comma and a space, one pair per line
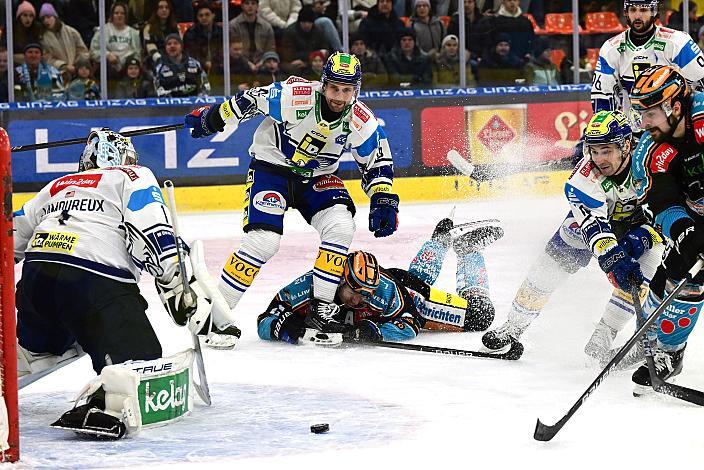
126, 397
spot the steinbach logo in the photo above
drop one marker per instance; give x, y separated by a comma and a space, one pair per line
360, 113
495, 134
301, 90
83, 181
662, 156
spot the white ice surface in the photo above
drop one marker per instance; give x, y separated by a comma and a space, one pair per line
386, 408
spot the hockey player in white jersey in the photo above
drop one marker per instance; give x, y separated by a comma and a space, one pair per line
84, 239
295, 154
607, 223
623, 57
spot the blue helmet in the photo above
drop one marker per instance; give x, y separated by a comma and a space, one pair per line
343, 68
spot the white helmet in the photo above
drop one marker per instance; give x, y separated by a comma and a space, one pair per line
107, 148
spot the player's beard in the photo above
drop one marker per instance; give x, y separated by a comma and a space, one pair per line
640, 27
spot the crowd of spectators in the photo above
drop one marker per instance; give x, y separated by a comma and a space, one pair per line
175, 47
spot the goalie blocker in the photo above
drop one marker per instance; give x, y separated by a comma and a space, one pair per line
127, 397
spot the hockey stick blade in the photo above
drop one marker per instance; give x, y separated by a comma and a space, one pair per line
546, 433
514, 353
463, 166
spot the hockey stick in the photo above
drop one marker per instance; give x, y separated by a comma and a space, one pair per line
514, 353
683, 393
82, 140
463, 166
202, 387
545, 432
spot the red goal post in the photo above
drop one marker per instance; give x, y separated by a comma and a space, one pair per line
9, 419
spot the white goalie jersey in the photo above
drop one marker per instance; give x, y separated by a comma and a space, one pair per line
110, 221
620, 62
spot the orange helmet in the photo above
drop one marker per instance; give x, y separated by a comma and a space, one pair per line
658, 85
362, 272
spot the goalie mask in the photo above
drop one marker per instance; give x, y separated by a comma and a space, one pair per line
362, 272
106, 148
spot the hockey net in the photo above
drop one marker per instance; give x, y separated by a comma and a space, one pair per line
9, 420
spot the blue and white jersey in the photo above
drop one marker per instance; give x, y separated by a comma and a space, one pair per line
295, 136
110, 221
596, 201
620, 62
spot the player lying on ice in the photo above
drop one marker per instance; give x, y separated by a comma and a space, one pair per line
374, 303
296, 151
606, 223
84, 239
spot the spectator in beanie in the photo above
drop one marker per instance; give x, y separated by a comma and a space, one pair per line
373, 70
83, 87
26, 30
135, 83
406, 64
316, 61
122, 41
178, 74
300, 39
429, 29
255, 33
499, 65
509, 20
540, 70
161, 23
447, 64
63, 45
270, 72
35, 80
203, 40
381, 27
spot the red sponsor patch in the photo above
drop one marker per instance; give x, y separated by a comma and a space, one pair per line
586, 170
360, 113
302, 90
328, 182
699, 130
82, 181
661, 158
294, 79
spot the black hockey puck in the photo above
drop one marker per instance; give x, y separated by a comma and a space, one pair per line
320, 428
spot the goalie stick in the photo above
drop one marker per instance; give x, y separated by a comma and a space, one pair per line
201, 388
514, 352
659, 385
545, 432
463, 166
82, 140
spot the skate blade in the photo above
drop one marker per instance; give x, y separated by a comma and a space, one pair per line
642, 390
88, 432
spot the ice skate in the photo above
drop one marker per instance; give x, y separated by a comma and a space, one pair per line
667, 364
475, 236
599, 345
502, 337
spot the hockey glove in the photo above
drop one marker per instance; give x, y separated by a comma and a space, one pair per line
171, 295
639, 239
199, 122
383, 214
288, 325
622, 270
365, 331
689, 244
